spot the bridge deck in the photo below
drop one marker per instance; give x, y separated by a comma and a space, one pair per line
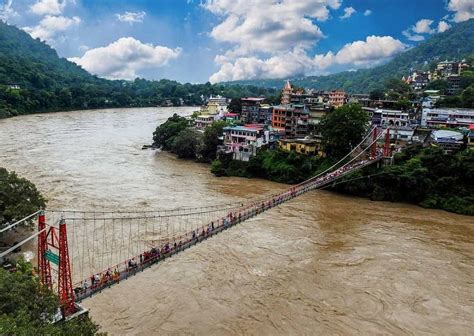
149, 258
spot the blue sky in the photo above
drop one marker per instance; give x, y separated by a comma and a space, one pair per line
196, 41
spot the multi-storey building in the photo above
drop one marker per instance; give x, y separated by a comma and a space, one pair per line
337, 98
243, 141
387, 117
292, 119
449, 68
251, 109
418, 80
447, 117
265, 115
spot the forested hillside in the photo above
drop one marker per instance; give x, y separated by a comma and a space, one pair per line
49, 83
455, 43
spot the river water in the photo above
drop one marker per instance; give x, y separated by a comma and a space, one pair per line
320, 264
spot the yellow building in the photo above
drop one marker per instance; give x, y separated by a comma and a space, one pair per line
308, 147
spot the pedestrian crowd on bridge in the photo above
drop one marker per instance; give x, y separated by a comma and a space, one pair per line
130, 266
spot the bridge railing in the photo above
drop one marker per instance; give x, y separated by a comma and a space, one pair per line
129, 267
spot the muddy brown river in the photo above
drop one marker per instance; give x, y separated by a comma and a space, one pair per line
321, 264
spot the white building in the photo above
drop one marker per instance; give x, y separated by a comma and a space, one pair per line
393, 117
447, 117
243, 141
220, 103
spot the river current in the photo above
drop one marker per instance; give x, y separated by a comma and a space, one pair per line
322, 263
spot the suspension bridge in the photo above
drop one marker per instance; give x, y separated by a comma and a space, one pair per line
81, 253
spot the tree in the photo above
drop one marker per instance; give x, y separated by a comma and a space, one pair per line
210, 141
27, 308
377, 94
467, 97
343, 129
164, 135
18, 197
235, 106
185, 144
438, 84
397, 88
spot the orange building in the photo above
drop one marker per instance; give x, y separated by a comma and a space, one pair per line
337, 98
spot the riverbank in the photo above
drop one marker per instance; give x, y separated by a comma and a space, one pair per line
423, 176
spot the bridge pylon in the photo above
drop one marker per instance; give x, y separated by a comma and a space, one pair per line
44, 267
53, 249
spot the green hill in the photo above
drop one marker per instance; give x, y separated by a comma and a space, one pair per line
49, 83
455, 43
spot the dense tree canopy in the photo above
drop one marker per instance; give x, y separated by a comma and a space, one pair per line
49, 83
26, 308
18, 197
210, 141
165, 133
186, 143
343, 129
427, 177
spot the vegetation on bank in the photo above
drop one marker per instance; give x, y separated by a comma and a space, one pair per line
273, 165
176, 136
424, 176
26, 308
18, 197
50, 83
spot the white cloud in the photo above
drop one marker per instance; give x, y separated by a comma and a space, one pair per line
367, 12
423, 26
268, 26
124, 57
7, 11
131, 17
348, 11
443, 26
52, 7
48, 28
464, 9
373, 51
412, 37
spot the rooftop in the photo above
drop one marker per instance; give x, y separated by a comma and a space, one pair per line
254, 99
242, 128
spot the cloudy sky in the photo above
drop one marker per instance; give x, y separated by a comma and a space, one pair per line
219, 40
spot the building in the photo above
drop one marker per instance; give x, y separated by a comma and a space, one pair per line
231, 117
447, 117
204, 120
265, 114
286, 93
387, 117
219, 102
418, 80
251, 109
450, 141
14, 87
454, 84
449, 68
337, 98
305, 146
470, 137
292, 119
243, 141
